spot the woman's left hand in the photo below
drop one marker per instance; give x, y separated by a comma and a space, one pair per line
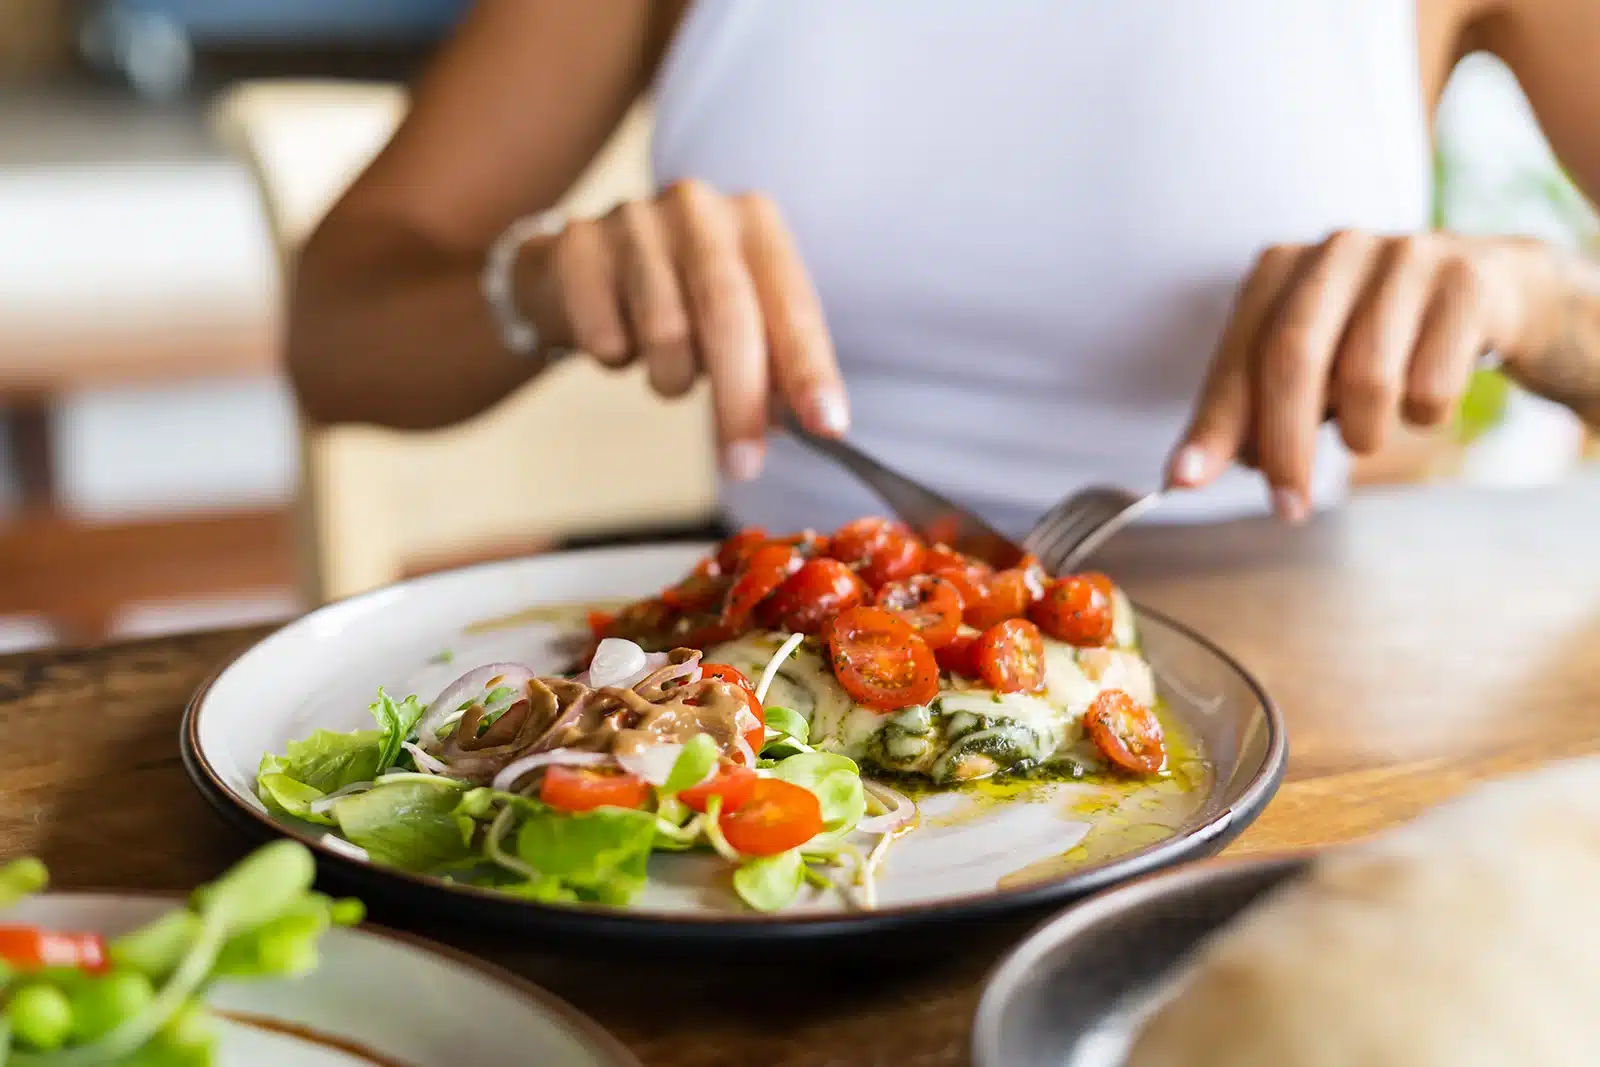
1361, 329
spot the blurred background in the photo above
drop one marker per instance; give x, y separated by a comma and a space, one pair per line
158, 160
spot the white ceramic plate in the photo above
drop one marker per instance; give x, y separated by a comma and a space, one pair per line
379, 999
971, 854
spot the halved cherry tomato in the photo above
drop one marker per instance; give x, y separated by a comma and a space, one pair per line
809, 543
942, 555
731, 554
1005, 595
763, 571
587, 788
1076, 609
778, 816
812, 595
28, 948
960, 656
600, 624
703, 588
754, 736
880, 660
879, 550
1128, 733
1010, 657
733, 783
931, 604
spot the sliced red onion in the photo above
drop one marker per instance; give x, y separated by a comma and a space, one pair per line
744, 747
345, 848
425, 762
654, 764
745, 720
469, 686
565, 757
614, 660
783, 653
901, 810
322, 804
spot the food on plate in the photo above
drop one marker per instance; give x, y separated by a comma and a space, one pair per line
915, 659
81, 999
1466, 937
560, 789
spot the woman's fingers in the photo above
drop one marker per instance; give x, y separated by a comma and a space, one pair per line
801, 351
726, 317
1223, 420
1295, 355
657, 318
1369, 373
1452, 338
586, 277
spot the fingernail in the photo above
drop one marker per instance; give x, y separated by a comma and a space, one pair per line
1290, 505
828, 407
1189, 466
742, 460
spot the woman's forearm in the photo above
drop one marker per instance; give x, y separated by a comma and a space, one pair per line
387, 327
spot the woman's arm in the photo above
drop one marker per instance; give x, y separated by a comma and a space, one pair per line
1553, 46
387, 322
1374, 328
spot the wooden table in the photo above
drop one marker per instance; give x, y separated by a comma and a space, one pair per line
1418, 642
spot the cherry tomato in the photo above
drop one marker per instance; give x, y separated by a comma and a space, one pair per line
600, 624
812, 595
648, 623
879, 550
931, 604
704, 587
587, 788
733, 783
778, 816
28, 948
969, 576
1076, 609
809, 543
960, 656
1128, 733
764, 569
880, 660
1005, 595
754, 736
1010, 657
731, 555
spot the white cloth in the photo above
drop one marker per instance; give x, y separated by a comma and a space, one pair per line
1027, 218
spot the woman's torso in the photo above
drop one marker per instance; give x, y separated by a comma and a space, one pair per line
1026, 219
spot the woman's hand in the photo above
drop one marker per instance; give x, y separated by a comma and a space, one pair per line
1366, 330
694, 282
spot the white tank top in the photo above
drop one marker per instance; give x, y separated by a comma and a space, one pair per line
1027, 218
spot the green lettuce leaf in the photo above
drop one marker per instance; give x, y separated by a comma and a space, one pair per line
395, 725
694, 762
835, 780
410, 824
772, 882
601, 854
321, 763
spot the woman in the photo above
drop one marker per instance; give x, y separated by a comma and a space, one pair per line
1025, 245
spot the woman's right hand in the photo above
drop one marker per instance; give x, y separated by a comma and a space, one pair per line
691, 282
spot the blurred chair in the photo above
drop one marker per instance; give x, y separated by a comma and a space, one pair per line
580, 452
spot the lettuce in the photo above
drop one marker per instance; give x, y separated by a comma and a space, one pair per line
599, 854
396, 722
315, 767
410, 824
836, 782
772, 882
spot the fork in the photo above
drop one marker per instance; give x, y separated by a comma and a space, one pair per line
1070, 532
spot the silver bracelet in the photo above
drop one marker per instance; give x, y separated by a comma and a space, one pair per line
499, 289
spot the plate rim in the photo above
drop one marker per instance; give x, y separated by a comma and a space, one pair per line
1204, 840
1020, 964
601, 1042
